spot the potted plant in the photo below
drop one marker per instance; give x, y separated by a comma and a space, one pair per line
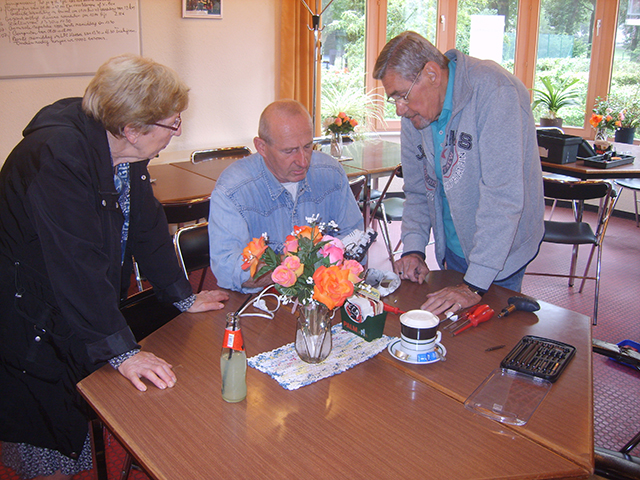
553, 97
629, 118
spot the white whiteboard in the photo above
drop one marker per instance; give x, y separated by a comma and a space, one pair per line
65, 37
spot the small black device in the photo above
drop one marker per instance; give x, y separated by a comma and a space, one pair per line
540, 357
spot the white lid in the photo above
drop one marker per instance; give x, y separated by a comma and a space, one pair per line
419, 319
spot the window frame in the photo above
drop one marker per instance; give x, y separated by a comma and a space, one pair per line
601, 66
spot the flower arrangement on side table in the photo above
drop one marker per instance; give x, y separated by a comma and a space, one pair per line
311, 273
604, 117
337, 126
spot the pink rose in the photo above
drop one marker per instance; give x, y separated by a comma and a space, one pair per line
283, 276
290, 244
292, 262
334, 249
355, 269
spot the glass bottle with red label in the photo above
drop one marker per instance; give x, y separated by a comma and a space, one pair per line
233, 362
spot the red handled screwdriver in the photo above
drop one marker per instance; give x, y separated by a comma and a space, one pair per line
479, 315
389, 308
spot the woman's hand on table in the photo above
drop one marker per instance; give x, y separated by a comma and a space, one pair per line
147, 365
411, 267
208, 300
450, 299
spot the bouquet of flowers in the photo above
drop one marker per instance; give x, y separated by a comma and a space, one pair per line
605, 115
311, 269
342, 123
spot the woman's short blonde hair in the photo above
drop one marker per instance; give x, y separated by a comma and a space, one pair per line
135, 91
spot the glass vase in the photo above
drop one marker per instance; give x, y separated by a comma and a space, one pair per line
601, 134
336, 145
313, 333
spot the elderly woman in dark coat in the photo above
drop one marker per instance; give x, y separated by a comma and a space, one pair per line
75, 205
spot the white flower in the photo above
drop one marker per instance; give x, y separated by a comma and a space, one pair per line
312, 219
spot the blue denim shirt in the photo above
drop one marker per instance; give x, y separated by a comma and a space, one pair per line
248, 201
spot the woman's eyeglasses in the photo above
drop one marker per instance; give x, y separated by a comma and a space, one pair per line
174, 127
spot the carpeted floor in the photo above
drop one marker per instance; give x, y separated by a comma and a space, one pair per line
616, 387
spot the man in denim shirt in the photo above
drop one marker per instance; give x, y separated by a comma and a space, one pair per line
272, 191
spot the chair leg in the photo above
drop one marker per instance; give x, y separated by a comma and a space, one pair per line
99, 451
586, 270
387, 240
136, 271
553, 207
126, 466
597, 292
574, 263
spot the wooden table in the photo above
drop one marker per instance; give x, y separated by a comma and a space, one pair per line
380, 419
172, 185
580, 170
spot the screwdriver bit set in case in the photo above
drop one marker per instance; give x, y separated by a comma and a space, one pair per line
540, 357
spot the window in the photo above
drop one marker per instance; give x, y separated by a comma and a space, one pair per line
625, 79
488, 30
532, 38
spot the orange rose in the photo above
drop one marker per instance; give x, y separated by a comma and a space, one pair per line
595, 120
353, 122
338, 121
308, 232
252, 253
332, 286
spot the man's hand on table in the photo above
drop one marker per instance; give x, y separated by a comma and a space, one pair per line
450, 299
208, 300
411, 267
147, 365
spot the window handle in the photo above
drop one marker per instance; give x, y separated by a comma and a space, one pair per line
598, 25
443, 22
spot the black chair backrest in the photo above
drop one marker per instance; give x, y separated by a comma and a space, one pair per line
187, 211
192, 244
218, 153
583, 190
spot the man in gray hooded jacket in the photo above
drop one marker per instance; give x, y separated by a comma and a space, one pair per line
473, 178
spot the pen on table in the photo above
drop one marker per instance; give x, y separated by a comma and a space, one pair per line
497, 347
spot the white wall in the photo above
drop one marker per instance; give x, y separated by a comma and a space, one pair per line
230, 64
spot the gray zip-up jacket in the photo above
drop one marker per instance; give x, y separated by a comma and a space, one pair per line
491, 174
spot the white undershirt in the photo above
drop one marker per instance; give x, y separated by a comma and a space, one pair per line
292, 188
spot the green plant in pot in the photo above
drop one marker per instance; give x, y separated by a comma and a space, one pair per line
553, 97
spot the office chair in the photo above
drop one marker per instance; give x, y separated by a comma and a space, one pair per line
387, 209
632, 184
185, 212
579, 232
192, 248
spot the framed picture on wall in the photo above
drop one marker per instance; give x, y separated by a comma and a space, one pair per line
201, 8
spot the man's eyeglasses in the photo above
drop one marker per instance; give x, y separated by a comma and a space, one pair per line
174, 127
405, 98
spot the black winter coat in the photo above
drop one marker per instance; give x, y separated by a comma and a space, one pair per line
61, 275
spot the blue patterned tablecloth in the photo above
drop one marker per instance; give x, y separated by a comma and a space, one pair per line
284, 365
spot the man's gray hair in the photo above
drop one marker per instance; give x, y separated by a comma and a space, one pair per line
407, 54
